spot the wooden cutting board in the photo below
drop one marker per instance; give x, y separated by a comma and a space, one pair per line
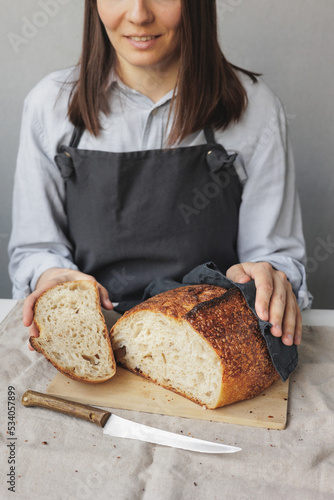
128, 391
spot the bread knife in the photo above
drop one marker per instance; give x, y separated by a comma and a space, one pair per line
120, 427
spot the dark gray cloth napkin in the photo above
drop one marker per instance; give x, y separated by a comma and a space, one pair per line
284, 358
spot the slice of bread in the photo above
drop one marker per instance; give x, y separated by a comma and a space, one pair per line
200, 341
73, 333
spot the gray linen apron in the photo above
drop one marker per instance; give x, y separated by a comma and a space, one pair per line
135, 216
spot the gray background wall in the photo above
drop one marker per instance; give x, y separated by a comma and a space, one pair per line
288, 41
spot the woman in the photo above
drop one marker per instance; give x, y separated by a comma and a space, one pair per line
124, 175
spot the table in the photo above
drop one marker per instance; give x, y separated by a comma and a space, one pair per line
6, 305
61, 458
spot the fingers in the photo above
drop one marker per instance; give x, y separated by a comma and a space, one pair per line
33, 332
28, 309
238, 274
292, 322
271, 296
275, 301
261, 273
299, 327
265, 286
282, 313
104, 297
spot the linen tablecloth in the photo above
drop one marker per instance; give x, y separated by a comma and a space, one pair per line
60, 457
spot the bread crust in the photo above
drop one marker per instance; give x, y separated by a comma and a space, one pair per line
34, 341
178, 302
224, 320
232, 330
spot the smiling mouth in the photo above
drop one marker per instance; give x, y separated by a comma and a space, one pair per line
142, 38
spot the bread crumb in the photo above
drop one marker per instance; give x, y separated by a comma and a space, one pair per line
63, 339
156, 331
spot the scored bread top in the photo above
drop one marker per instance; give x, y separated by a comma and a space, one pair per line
179, 301
230, 324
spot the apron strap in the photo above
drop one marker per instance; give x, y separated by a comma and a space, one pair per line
217, 157
209, 135
76, 136
63, 159
210, 139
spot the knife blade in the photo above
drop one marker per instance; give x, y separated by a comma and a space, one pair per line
116, 426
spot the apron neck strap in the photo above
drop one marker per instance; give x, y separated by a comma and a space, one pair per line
209, 135
210, 139
76, 136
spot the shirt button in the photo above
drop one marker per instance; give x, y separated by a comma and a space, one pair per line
154, 111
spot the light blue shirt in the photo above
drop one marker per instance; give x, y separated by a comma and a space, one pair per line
270, 226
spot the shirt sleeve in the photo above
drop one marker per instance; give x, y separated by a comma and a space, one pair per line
270, 222
38, 240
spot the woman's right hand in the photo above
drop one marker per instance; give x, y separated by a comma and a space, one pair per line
52, 277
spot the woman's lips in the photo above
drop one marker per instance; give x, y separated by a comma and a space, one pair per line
143, 42
142, 38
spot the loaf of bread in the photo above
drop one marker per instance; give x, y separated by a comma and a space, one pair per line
72, 332
200, 341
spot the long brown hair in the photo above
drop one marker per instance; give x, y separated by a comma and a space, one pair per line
209, 92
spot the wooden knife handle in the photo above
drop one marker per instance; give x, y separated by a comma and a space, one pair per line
94, 415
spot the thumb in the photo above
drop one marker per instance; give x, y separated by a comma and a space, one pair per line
237, 274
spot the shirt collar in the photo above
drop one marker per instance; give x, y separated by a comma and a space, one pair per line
135, 95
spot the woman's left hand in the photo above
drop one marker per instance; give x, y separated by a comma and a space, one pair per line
275, 301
